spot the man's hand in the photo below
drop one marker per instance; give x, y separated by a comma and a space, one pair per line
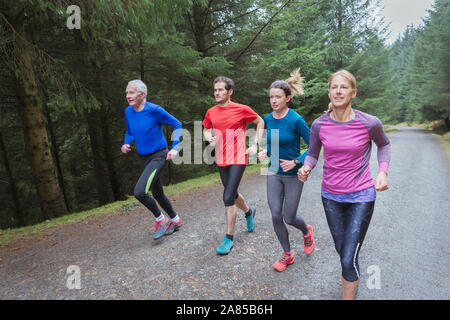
125, 148
212, 141
252, 150
303, 173
262, 155
172, 154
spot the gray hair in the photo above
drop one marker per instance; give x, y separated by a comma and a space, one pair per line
139, 85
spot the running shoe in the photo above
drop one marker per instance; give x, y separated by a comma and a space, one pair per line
309, 243
173, 226
225, 247
160, 229
250, 223
285, 260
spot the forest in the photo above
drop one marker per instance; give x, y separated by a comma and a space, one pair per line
65, 65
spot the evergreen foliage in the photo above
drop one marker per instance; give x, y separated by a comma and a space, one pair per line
63, 90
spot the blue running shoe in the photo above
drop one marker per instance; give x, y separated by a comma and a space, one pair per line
173, 226
225, 246
250, 224
160, 229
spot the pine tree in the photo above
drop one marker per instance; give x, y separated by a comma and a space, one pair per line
430, 72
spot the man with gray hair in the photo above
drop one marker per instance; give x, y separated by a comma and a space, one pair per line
144, 122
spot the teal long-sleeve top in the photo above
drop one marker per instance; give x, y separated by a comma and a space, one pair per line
283, 140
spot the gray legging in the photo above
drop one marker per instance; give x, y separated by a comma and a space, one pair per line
283, 195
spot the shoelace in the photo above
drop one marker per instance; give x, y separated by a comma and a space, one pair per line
159, 225
174, 224
308, 241
285, 259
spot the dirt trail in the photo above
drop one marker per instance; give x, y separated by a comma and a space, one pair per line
118, 259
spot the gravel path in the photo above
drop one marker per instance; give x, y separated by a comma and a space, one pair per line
406, 254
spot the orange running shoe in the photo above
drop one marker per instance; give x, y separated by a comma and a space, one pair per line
286, 259
310, 244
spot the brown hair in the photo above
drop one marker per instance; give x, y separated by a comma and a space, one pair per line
229, 84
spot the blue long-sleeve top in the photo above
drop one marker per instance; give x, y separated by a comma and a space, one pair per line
145, 128
289, 129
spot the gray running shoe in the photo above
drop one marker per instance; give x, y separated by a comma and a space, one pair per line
173, 226
160, 229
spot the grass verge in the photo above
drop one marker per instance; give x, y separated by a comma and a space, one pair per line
445, 138
8, 236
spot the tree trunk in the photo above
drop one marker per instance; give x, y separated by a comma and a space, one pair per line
18, 214
55, 152
103, 124
339, 15
36, 139
198, 27
340, 62
101, 180
51, 133
109, 159
73, 191
141, 59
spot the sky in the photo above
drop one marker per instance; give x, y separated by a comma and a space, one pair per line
402, 13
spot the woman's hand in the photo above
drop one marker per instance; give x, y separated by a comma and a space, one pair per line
303, 173
287, 165
381, 182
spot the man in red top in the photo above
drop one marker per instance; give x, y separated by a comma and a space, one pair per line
229, 122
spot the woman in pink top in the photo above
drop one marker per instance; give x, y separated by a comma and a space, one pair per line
348, 191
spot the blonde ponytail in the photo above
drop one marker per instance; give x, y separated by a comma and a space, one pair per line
330, 107
295, 81
292, 85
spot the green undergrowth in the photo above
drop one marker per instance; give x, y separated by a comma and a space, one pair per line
125, 207
445, 139
120, 207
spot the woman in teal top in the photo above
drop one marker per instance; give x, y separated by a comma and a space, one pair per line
285, 127
285, 135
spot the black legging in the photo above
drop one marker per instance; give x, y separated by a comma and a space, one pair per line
348, 223
231, 177
152, 165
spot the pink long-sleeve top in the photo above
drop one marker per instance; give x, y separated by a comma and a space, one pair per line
346, 151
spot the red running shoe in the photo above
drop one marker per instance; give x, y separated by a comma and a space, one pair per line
286, 259
173, 226
310, 244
